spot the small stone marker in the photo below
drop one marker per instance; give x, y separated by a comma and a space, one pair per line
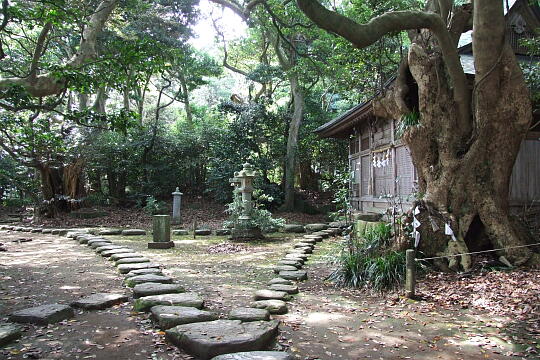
162, 233
271, 295
208, 339
43, 315
273, 306
133, 232
8, 333
125, 268
255, 355
99, 301
183, 299
289, 289
148, 278
177, 206
249, 314
170, 316
180, 232
298, 275
131, 260
150, 288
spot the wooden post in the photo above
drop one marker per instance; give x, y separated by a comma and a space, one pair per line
410, 273
194, 228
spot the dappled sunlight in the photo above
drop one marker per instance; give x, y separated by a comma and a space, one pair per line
323, 318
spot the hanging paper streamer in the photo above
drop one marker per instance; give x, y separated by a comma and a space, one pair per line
416, 224
448, 231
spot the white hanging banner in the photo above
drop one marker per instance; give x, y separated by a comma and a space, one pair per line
416, 210
448, 231
416, 223
416, 238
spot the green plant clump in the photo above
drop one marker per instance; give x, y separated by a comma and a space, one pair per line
260, 217
368, 262
154, 207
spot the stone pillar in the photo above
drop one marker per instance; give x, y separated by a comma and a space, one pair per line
161, 233
176, 207
410, 273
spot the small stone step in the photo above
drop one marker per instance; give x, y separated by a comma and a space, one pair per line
150, 288
110, 232
305, 250
249, 314
203, 232
148, 278
279, 280
97, 239
317, 238
255, 355
296, 254
183, 299
171, 316
108, 253
131, 260
133, 232
103, 248
303, 244
46, 231
279, 268
124, 255
295, 258
277, 307
180, 232
8, 333
294, 263
99, 301
43, 315
271, 295
208, 339
222, 232
125, 268
307, 240
316, 227
144, 272
289, 289
298, 275
293, 228
322, 234
97, 244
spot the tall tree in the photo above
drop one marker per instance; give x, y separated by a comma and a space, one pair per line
466, 139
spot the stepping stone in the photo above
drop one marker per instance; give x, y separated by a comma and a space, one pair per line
171, 316
133, 232
222, 232
249, 314
298, 275
296, 254
183, 299
125, 255
203, 232
316, 227
143, 272
304, 250
46, 231
125, 268
255, 355
148, 278
99, 301
279, 268
271, 295
43, 315
8, 333
304, 244
36, 230
208, 339
150, 288
94, 239
108, 247
108, 253
294, 263
53, 231
180, 232
277, 307
310, 241
110, 232
96, 244
279, 280
289, 289
86, 239
317, 238
321, 234
295, 258
293, 228
131, 260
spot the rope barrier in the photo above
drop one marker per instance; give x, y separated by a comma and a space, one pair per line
475, 252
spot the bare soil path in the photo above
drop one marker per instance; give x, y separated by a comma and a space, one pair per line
323, 322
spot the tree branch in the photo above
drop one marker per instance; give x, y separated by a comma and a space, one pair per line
38, 50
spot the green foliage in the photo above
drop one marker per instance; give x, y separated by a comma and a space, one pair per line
339, 186
407, 121
154, 207
367, 262
260, 217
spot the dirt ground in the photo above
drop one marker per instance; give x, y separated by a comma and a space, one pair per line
323, 322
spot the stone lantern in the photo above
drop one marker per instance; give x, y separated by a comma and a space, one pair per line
246, 176
243, 183
177, 205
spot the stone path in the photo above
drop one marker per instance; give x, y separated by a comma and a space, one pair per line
178, 312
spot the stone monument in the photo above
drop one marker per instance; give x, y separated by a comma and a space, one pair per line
177, 205
161, 233
244, 229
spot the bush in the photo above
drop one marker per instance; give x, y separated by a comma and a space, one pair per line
154, 207
367, 262
259, 217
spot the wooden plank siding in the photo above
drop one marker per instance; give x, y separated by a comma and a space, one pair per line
525, 180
